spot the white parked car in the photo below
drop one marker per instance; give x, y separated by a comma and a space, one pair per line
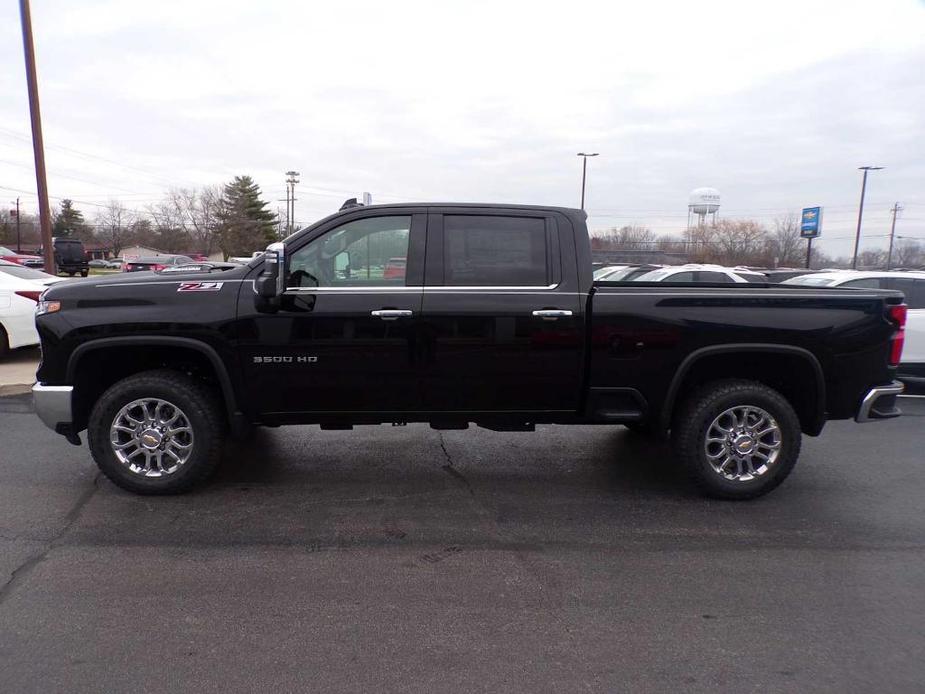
912, 284
696, 272
20, 289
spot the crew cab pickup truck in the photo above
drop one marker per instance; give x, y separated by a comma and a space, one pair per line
495, 321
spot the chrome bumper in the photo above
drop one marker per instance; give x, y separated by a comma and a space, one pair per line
52, 404
868, 410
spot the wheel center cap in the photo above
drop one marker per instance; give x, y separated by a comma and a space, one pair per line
744, 444
151, 438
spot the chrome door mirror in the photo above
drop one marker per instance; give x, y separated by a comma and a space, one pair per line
272, 281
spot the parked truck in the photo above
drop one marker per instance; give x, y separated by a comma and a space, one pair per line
495, 321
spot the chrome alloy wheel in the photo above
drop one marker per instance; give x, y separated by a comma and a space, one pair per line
151, 437
742, 443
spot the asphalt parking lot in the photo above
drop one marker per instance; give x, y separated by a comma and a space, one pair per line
403, 559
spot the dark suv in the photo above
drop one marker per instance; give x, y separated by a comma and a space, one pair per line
70, 256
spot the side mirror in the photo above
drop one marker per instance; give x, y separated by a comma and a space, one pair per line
272, 281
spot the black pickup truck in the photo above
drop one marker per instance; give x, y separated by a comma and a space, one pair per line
455, 314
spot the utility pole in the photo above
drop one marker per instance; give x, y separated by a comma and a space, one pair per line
291, 180
584, 172
38, 145
18, 234
857, 236
896, 209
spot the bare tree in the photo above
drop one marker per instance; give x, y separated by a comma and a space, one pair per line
199, 211
872, 258
630, 237
908, 254
736, 242
170, 233
113, 225
785, 246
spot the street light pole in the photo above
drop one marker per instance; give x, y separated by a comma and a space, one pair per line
897, 207
38, 146
584, 172
857, 236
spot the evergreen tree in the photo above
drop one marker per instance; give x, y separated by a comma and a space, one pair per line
244, 223
68, 221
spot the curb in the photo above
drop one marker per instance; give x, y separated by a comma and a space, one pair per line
15, 389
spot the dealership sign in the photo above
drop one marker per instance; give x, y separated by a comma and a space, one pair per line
811, 222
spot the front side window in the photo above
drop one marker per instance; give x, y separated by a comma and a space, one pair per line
494, 251
371, 252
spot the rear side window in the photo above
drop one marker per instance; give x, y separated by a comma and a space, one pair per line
865, 283
490, 251
679, 277
917, 299
913, 289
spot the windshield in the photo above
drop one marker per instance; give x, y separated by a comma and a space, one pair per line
810, 281
603, 272
24, 273
626, 274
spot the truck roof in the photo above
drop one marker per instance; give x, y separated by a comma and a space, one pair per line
492, 205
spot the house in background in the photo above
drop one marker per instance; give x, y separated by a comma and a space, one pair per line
135, 252
97, 251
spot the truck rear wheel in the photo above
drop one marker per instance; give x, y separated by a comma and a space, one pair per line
157, 432
738, 439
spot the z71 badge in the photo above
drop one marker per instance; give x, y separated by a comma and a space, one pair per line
200, 286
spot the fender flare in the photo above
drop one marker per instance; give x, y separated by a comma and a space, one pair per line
221, 371
770, 348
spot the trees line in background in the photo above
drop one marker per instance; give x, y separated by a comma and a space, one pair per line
734, 242
231, 219
234, 220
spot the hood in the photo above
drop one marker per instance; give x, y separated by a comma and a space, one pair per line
87, 287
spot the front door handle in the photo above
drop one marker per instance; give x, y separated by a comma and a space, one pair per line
552, 314
391, 313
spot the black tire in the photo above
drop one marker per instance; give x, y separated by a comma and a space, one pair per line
4, 343
201, 408
84, 273
694, 418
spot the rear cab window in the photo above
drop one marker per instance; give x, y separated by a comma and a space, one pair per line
496, 251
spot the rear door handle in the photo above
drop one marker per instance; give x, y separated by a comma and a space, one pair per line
391, 313
552, 314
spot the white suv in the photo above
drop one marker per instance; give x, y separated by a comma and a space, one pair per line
912, 284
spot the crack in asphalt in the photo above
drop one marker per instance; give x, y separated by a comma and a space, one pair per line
452, 471
19, 574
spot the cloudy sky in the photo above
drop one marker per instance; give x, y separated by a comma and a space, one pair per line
775, 104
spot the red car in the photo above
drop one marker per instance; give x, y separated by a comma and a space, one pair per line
394, 269
21, 258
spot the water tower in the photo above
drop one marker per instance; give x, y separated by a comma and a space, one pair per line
702, 201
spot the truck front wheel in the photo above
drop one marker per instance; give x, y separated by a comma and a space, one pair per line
157, 432
738, 439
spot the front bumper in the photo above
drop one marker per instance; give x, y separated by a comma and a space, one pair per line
880, 403
53, 406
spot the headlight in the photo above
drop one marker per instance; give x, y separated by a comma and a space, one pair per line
43, 307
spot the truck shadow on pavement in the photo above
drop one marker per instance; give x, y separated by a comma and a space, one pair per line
611, 461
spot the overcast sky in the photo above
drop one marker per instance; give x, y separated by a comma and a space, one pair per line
776, 104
